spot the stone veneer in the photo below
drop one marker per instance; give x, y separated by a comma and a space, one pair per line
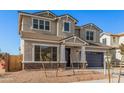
50, 66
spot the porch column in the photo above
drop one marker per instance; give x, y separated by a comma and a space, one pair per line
105, 70
62, 53
83, 56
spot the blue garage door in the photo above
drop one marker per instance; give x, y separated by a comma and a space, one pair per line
94, 59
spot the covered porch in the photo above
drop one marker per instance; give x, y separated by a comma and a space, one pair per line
67, 53
72, 52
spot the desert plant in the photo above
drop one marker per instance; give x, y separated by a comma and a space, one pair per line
1, 56
121, 49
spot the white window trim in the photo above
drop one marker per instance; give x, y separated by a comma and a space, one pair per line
89, 35
69, 27
105, 41
44, 25
49, 26
39, 24
33, 23
50, 45
114, 41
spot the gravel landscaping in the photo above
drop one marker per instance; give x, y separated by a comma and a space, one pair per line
38, 76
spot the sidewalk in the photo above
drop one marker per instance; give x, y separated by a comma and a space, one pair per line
114, 79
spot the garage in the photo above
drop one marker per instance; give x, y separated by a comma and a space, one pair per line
95, 59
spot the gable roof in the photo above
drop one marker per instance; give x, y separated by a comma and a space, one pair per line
69, 16
118, 35
35, 14
74, 37
21, 13
105, 33
92, 24
45, 11
110, 34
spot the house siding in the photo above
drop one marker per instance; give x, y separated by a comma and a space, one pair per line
108, 39
27, 26
28, 51
28, 47
61, 25
116, 56
90, 28
48, 15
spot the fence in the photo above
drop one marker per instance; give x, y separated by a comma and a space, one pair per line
14, 63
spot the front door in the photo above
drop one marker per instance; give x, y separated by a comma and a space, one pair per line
67, 56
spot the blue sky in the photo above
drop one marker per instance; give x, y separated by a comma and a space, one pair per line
108, 21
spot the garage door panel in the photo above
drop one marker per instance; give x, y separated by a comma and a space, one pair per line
94, 59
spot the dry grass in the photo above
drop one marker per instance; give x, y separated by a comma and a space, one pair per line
38, 76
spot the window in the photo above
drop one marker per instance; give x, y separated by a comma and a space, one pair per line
45, 53
47, 25
35, 23
104, 41
37, 53
41, 24
67, 26
114, 39
89, 35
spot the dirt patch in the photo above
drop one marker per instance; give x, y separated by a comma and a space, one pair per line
65, 76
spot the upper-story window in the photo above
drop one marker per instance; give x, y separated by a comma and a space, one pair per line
41, 24
104, 41
89, 35
114, 39
35, 23
47, 25
67, 26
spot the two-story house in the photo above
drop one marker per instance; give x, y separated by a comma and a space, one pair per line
113, 40
51, 39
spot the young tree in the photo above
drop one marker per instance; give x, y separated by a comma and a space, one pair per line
122, 60
108, 62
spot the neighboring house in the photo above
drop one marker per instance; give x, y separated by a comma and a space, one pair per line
51, 39
113, 40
